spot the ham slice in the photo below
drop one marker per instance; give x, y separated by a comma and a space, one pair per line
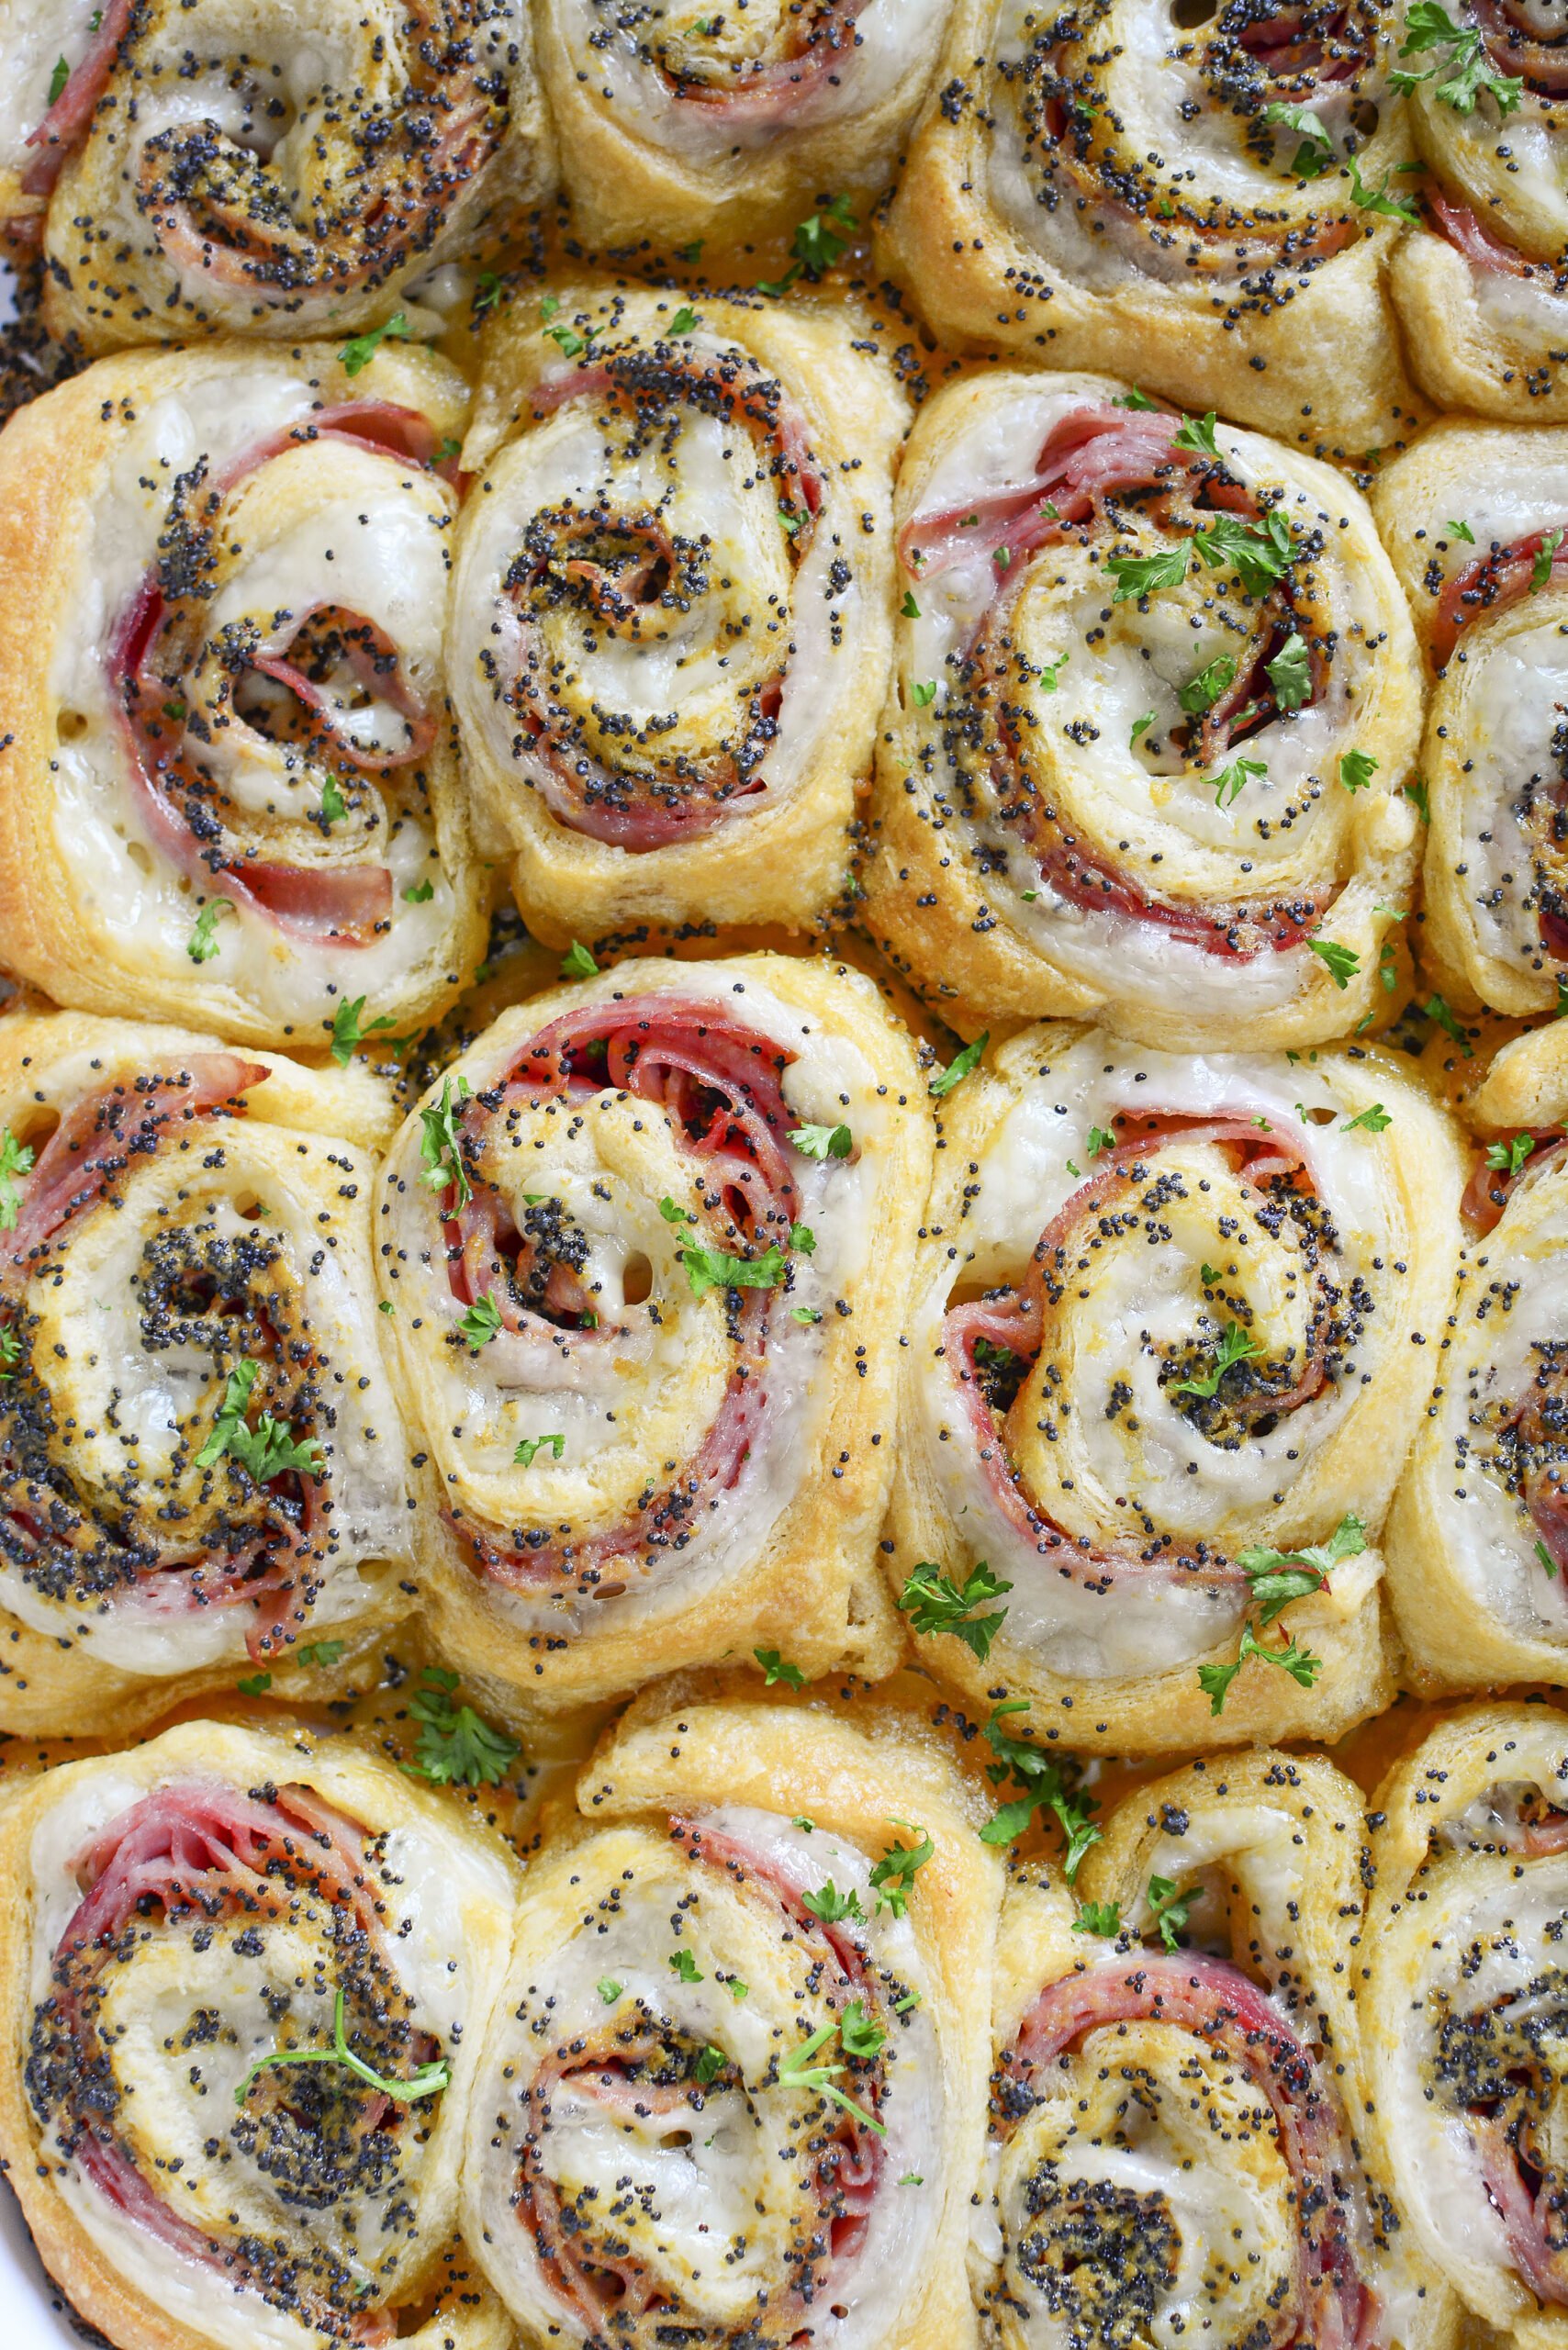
64, 127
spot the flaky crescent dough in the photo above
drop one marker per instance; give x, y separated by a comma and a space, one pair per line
677, 126
181, 1215
741, 1902
1179, 2116
1475, 516
1155, 697
227, 760
635, 1465
1112, 1234
1059, 202
1477, 1538
670, 618
279, 169
1462, 1954
177, 1913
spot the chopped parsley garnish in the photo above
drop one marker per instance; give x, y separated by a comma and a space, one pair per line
349, 1030
359, 353
1202, 693
683, 1964
895, 1873
1236, 1344
457, 1746
264, 1451
419, 893
1169, 1908
202, 945
1230, 782
1146, 575
577, 962
1540, 567
1378, 200
1343, 961
479, 1324
1214, 1680
444, 1167
1258, 553
321, 1653
1278, 1577
1468, 66
523, 1456
775, 1669
1045, 1789
935, 1605
1197, 432
822, 1142
1316, 153
1509, 1156
1290, 673
709, 1269
429, 2081
1370, 1121
1099, 1917
1357, 769
797, 2072
832, 1906
959, 1067
16, 1159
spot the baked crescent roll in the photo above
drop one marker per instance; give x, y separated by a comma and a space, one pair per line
648, 1248
202, 1464
1478, 1534
1481, 288
734, 2092
1155, 697
247, 1979
1460, 1989
674, 125
1200, 198
1173, 1324
266, 170
670, 621
229, 789
1178, 2109
1475, 518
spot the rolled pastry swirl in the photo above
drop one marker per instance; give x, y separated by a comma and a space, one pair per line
1478, 1534
1461, 2006
1105, 187
734, 2090
228, 791
193, 1928
1154, 699
220, 173
647, 1245
1481, 288
671, 629
1171, 1324
674, 125
1178, 2097
201, 1457
1476, 520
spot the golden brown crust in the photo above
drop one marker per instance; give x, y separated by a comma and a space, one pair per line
799, 1574
1252, 348
460, 2314
92, 910
782, 861
294, 1128
635, 173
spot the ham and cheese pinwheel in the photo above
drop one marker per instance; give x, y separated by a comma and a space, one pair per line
202, 1465
735, 2089
1198, 196
1476, 520
1461, 2000
1155, 697
1179, 2116
229, 788
670, 629
677, 124
1170, 1335
1481, 288
647, 1247
1478, 1534
246, 1980
245, 168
